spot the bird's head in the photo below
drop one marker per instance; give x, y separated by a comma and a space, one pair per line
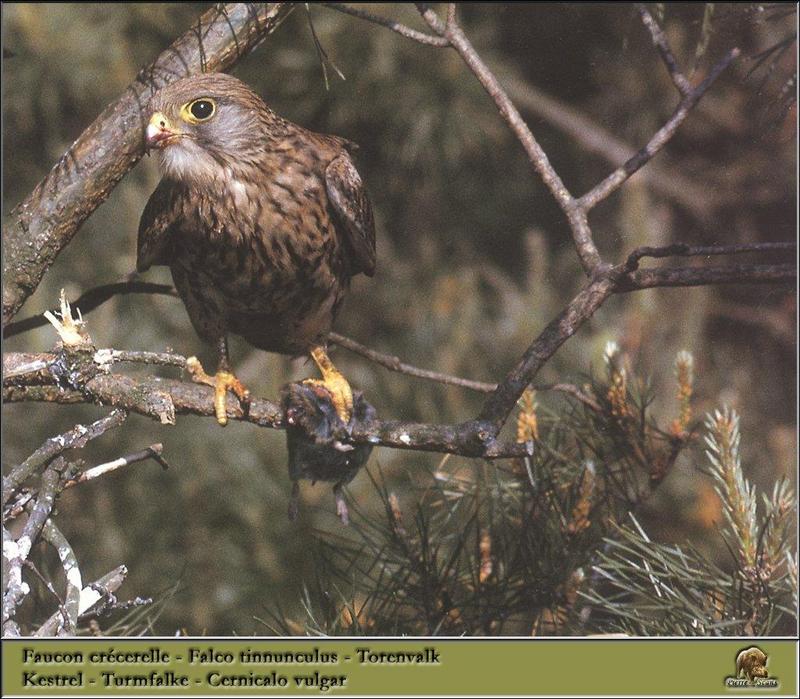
206, 123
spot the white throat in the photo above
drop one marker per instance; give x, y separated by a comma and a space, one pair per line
185, 161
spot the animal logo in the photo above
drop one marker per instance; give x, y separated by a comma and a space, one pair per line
751, 671
751, 663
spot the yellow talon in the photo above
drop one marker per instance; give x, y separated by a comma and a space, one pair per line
334, 382
222, 381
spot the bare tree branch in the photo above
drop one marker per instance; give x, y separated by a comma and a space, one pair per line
74, 582
76, 438
615, 180
683, 250
48, 585
660, 42
702, 276
160, 399
569, 120
45, 222
154, 452
402, 29
666, 180
112, 356
163, 399
90, 596
17, 553
91, 299
499, 405
605, 280
395, 364
582, 307
581, 234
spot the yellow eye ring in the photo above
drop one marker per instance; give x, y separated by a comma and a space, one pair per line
199, 110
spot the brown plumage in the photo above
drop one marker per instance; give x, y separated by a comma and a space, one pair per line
261, 222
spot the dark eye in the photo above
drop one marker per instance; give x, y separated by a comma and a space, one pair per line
202, 109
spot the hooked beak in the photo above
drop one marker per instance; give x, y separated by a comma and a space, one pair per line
160, 132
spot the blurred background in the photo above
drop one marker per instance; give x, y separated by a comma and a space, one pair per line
474, 258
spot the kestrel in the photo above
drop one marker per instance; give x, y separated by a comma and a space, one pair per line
262, 223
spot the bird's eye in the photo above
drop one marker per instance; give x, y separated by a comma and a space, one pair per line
199, 110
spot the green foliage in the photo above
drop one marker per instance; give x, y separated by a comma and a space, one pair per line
548, 547
646, 588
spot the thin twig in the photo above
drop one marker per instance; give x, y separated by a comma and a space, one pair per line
662, 45
394, 364
683, 250
31, 566
154, 452
90, 596
90, 300
402, 29
617, 178
581, 234
76, 438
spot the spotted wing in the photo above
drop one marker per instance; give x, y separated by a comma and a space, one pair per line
353, 212
158, 217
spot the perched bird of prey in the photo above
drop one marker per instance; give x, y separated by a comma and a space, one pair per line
261, 222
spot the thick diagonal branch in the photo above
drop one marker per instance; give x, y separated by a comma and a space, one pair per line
499, 405
45, 222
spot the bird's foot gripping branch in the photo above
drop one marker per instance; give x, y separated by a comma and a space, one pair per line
317, 440
77, 372
321, 446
